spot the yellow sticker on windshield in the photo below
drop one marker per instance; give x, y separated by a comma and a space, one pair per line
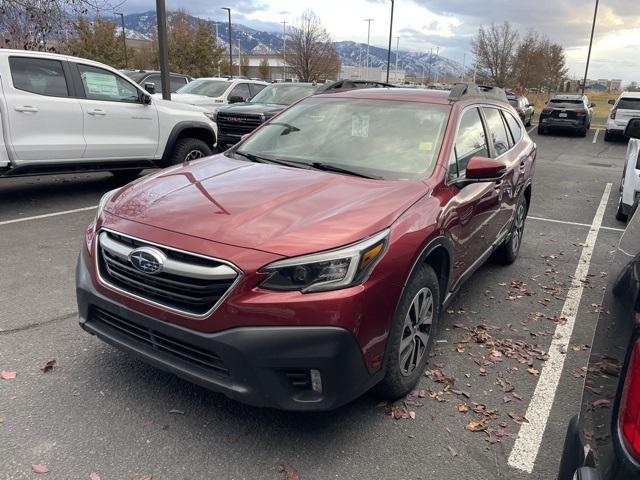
426, 146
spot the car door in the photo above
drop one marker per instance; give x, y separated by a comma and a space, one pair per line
473, 206
117, 124
45, 121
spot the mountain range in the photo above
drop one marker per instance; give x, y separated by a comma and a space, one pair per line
142, 26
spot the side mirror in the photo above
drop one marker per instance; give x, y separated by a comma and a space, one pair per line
144, 98
150, 87
235, 99
633, 128
592, 105
611, 102
482, 169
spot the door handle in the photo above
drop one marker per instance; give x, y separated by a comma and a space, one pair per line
26, 109
97, 112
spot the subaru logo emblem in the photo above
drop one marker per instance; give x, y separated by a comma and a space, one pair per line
147, 260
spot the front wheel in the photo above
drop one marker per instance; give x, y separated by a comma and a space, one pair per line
507, 253
620, 215
542, 131
411, 334
187, 149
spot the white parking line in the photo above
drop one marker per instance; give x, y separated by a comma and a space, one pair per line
47, 215
612, 229
532, 129
525, 450
595, 135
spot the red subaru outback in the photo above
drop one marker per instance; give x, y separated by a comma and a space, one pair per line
311, 262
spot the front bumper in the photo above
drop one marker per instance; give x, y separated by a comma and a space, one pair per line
261, 366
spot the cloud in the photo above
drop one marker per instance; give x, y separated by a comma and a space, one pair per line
201, 8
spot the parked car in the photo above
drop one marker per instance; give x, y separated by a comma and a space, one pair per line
310, 262
240, 119
213, 93
151, 80
626, 107
603, 441
630, 182
567, 112
62, 113
525, 110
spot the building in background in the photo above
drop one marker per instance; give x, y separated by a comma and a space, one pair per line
373, 74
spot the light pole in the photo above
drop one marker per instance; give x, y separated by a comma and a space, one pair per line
437, 65
368, 20
390, 37
230, 43
397, 54
163, 48
217, 38
284, 50
124, 39
239, 59
593, 28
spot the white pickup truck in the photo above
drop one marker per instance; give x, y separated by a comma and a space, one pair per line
66, 114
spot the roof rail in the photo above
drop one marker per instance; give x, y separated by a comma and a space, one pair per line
462, 91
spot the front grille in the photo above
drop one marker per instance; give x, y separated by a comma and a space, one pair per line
188, 283
237, 124
158, 341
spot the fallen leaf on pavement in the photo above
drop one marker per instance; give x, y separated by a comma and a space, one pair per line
289, 472
94, 476
474, 426
49, 365
452, 451
462, 408
603, 402
533, 371
7, 375
37, 468
518, 418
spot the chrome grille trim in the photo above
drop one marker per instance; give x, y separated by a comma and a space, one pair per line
154, 284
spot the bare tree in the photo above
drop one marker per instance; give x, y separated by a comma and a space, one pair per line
263, 68
43, 24
310, 53
494, 48
538, 63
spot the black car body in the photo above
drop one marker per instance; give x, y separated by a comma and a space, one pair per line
525, 110
240, 119
567, 112
142, 77
603, 441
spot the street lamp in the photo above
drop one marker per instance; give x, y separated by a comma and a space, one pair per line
368, 20
124, 39
390, 38
593, 28
284, 50
230, 44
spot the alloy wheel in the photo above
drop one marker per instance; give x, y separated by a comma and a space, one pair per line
518, 230
416, 331
193, 155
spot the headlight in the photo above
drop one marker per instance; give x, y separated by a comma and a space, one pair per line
330, 270
103, 202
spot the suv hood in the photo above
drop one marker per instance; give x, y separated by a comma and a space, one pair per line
193, 99
267, 109
283, 210
172, 105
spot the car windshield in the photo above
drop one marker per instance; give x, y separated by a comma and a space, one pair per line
208, 88
376, 138
283, 94
629, 103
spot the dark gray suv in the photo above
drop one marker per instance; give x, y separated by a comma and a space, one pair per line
567, 112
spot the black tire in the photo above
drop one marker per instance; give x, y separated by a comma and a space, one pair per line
528, 123
620, 215
608, 137
542, 131
583, 132
126, 175
401, 377
507, 253
187, 149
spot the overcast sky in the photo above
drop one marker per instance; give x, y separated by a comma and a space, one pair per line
450, 24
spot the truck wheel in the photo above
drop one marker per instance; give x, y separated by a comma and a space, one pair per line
583, 132
187, 149
620, 215
507, 253
126, 175
607, 136
411, 334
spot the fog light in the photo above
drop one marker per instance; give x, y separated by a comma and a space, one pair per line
316, 380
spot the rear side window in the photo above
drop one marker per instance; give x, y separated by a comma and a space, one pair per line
629, 103
256, 88
514, 126
496, 131
102, 84
471, 141
176, 82
241, 90
39, 75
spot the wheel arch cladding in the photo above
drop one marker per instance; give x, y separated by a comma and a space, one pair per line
199, 130
438, 259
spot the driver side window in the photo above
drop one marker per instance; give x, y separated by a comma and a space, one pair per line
471, 141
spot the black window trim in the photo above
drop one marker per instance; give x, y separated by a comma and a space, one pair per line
507, 131
82, 95
520, 124
66, 71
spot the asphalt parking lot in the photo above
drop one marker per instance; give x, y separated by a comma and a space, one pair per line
512, 345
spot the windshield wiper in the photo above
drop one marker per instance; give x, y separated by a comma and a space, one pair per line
328, 167
257, 159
